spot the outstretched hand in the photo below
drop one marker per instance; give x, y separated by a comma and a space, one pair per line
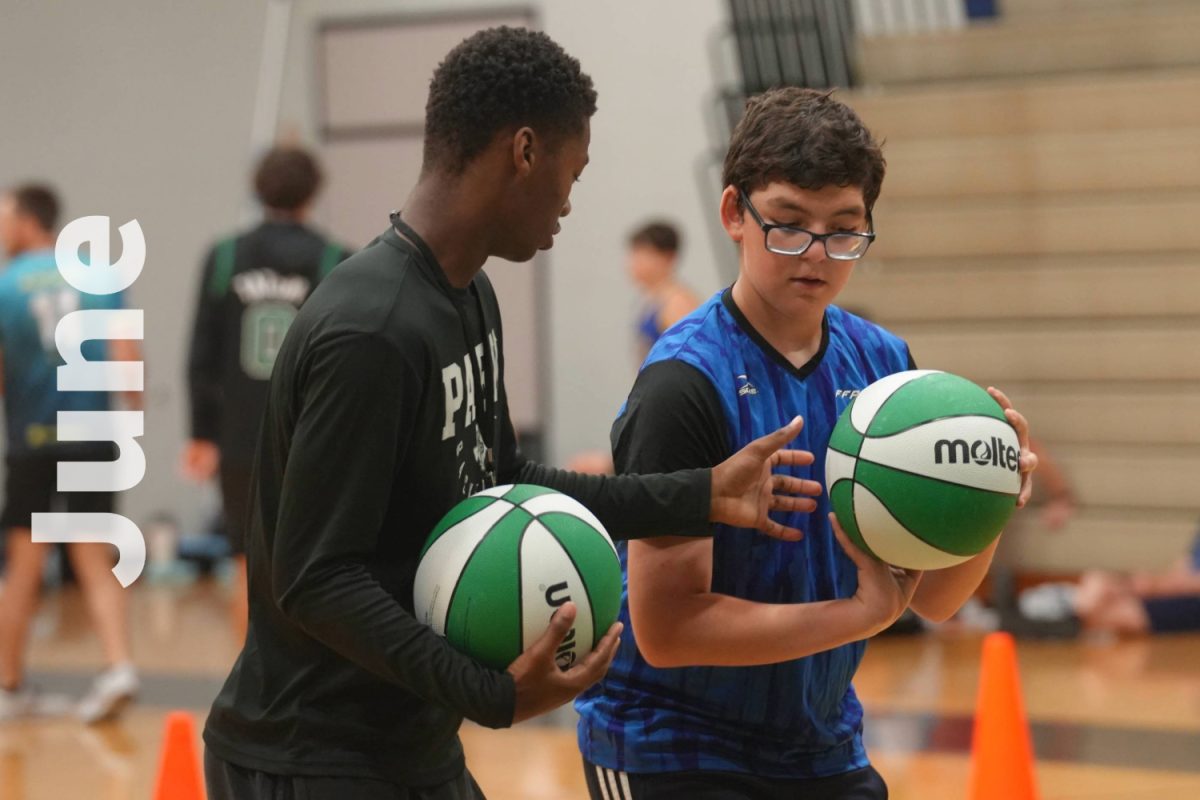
745, 490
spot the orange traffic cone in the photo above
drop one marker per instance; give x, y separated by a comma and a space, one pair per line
179, 776
1001, 751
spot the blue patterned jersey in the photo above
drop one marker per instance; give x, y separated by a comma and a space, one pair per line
33, 298
797, 719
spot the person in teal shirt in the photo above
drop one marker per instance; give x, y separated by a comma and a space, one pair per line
34, 297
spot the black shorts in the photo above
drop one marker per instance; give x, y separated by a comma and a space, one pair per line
607, 784
227, 781
31, 481
235, 504
1173, 613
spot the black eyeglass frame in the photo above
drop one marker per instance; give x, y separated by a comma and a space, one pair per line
767, 227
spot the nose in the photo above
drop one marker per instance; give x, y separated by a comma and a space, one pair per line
566, 209
815, 254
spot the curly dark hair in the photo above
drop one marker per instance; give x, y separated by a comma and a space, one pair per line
806, 138
287, 178
499, 78
658, 234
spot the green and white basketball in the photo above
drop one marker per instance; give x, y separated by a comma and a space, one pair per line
501, 562
922, 469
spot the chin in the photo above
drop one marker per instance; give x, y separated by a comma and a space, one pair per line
799, 305
519, 255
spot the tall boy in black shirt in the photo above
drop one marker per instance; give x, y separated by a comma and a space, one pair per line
387, 406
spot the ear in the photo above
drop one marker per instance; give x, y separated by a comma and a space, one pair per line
732, 215
523, 151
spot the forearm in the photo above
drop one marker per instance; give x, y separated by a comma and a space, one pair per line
332, 507
204, 371
1053, 480
1175, 582
205, 408
633, 506
723, 631
341, 605
129, 350
943, 591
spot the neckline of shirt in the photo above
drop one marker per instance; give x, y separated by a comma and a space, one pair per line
801, 372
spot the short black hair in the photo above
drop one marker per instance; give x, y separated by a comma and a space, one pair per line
658, 234
500, 78
287, 178
806, 138
38, 201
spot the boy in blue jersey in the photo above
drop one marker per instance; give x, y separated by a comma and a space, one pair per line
33, 298
734, 678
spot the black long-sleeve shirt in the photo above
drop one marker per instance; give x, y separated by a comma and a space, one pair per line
250, 288
386, 408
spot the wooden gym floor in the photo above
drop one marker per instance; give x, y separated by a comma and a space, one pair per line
1109, 719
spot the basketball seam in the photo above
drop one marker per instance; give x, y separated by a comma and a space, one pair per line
586, 592
900, 522
854, 512
850, 418
429, 544
521, 587
886, 400
913, 533
862, 437
546, 490
467, 563
916, 425
938, 480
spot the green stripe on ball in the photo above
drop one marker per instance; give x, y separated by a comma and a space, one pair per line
596, 563
491, 574
841, 496
470, 506
952, 518
845, 439
927, 398
525, 491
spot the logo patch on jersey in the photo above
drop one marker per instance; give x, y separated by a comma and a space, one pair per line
258, 285
745, 387
847, 394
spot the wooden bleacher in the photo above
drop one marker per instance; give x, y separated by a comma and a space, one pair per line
1125, 36
1040, 230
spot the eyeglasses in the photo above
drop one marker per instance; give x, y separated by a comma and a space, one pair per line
787, 240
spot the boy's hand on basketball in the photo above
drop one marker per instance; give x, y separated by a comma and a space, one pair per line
883, 590
541, 685
745, 491
1028, 461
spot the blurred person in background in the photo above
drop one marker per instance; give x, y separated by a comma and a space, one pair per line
653, 264
1132, 604
1057, 500
34, 297
252, 285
